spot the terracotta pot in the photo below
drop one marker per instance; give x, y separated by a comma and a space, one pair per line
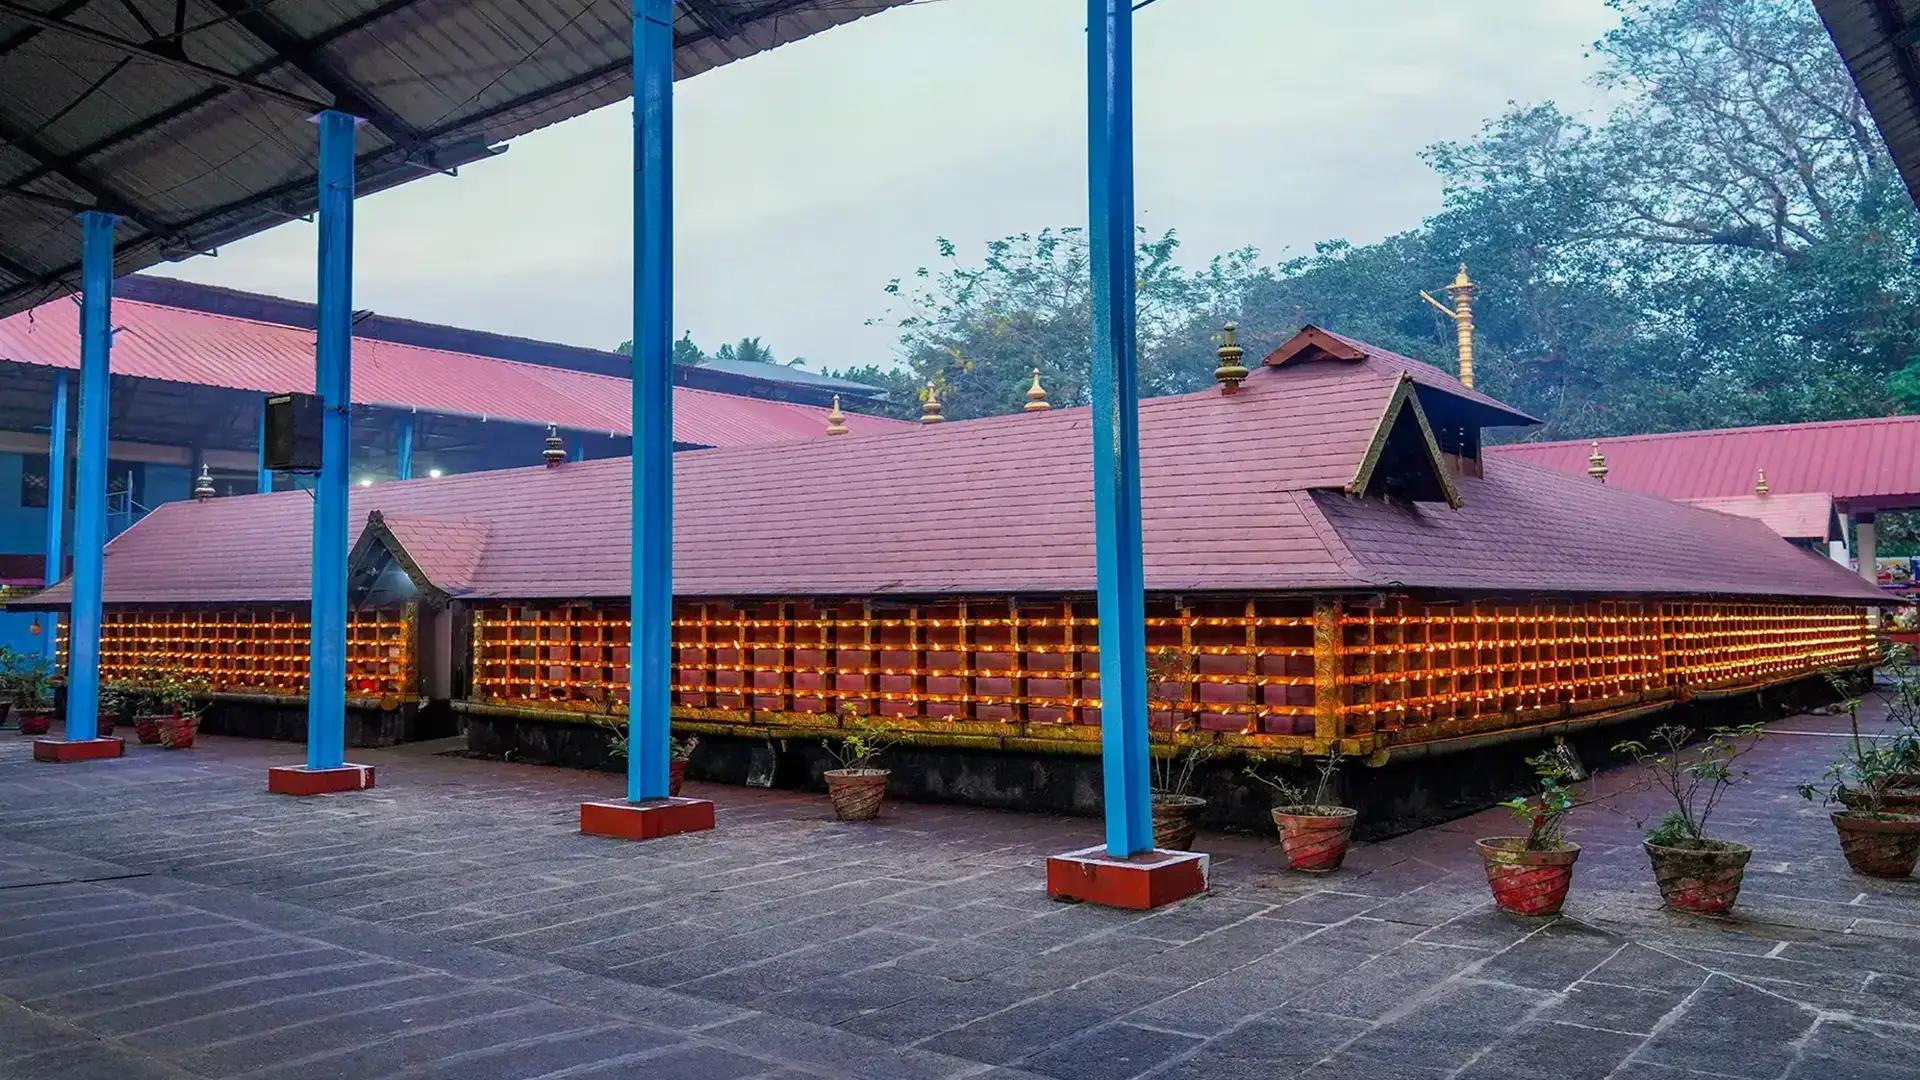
1704, 880
103, 724
676, 775
856, 793
1527, 882
34, 721
177, 733
1904, 799
147, 728
1176, 818
1315, 838
1885, 845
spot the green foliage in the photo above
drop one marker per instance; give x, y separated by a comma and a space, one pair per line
1695, 782
863, 741
618, 741
26, 678
1288, 793
1865, 771
1545, 810
684, 350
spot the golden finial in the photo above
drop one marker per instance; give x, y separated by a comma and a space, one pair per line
1231, 372
1036, 397
1760, 482
1597, 463
836, 420
930, 407
203, 487
1461, 293
556, 452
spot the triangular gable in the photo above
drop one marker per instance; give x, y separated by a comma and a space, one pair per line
439, 556
1403, 461
1311, 344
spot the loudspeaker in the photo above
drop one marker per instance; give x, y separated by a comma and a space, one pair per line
293, 433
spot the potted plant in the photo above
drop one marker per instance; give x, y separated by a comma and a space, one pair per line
858, 787
1876, 841
26, 682
1176, 810
146, 692
1315, 829
1530, 874
179, 698
1694, 871
679, 752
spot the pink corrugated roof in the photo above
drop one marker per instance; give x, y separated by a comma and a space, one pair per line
179, 345
1807, 515
1241, 493
1874, 462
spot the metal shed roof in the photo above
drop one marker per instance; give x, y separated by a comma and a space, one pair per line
1878, 41
190, 119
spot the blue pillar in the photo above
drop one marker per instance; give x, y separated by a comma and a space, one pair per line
90, 495
327, 668
650, 665
1116, 430
56, 499
265, 481
403, 468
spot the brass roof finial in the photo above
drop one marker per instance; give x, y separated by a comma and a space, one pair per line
556, 452
203, 487
930, 407
1597, 463
1760, 482
1461, 293
836, 420
1036, 396
1231, 372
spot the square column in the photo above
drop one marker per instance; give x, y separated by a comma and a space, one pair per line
326, 768
56, 545
1128, 871
90, 501
403, 463
647, 811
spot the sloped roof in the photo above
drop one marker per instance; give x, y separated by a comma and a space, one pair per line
1315, 345
195, 131
203, 349
1878, 41
1240, 493
1806, 515
445, 552
1869, 463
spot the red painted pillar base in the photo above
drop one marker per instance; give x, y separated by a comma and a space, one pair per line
63, 750
649, 820
300, 780
1138, 882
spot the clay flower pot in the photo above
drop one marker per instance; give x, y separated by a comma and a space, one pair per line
176, 732
676, 775
856, 793
1176, 818
1702, 878
1527, 882
34, 721
1315, 838
1881, 845
147, 728
1901, 800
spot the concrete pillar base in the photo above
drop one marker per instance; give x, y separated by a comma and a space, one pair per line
66, 750
300, 780
1139, 883
649, 820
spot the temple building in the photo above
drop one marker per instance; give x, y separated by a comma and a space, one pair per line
1331, 563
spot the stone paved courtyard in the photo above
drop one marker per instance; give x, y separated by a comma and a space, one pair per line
162, 916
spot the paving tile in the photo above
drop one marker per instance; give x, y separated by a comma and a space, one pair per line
1730, 1028
1111, 1052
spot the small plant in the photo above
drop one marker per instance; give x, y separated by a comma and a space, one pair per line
678, 750
865, 740
1289, 794
1695, 783
859, 785
26, 679
1860, 778
1173, 772
1545, 810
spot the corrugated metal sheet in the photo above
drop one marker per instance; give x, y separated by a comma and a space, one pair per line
1240, 494
1876, 39
1803, 516
202, 349
190, 161
1861, 463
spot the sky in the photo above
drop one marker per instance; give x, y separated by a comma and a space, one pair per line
807, 177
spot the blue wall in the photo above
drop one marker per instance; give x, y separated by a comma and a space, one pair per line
22, 532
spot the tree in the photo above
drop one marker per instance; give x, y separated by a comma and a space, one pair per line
684, 350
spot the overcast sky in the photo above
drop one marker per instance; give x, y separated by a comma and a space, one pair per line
809, 176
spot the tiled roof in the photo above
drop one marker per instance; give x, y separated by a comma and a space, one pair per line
1301, 348
446, 551
1240, 493
1876, 462
196, 347
1803, 516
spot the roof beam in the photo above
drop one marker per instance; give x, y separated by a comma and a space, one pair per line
713, 17
15, 41
347, 96
105, 40
104, 196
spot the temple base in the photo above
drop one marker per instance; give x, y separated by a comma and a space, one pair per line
301, 780
65, 750
1138, 882
649, 820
